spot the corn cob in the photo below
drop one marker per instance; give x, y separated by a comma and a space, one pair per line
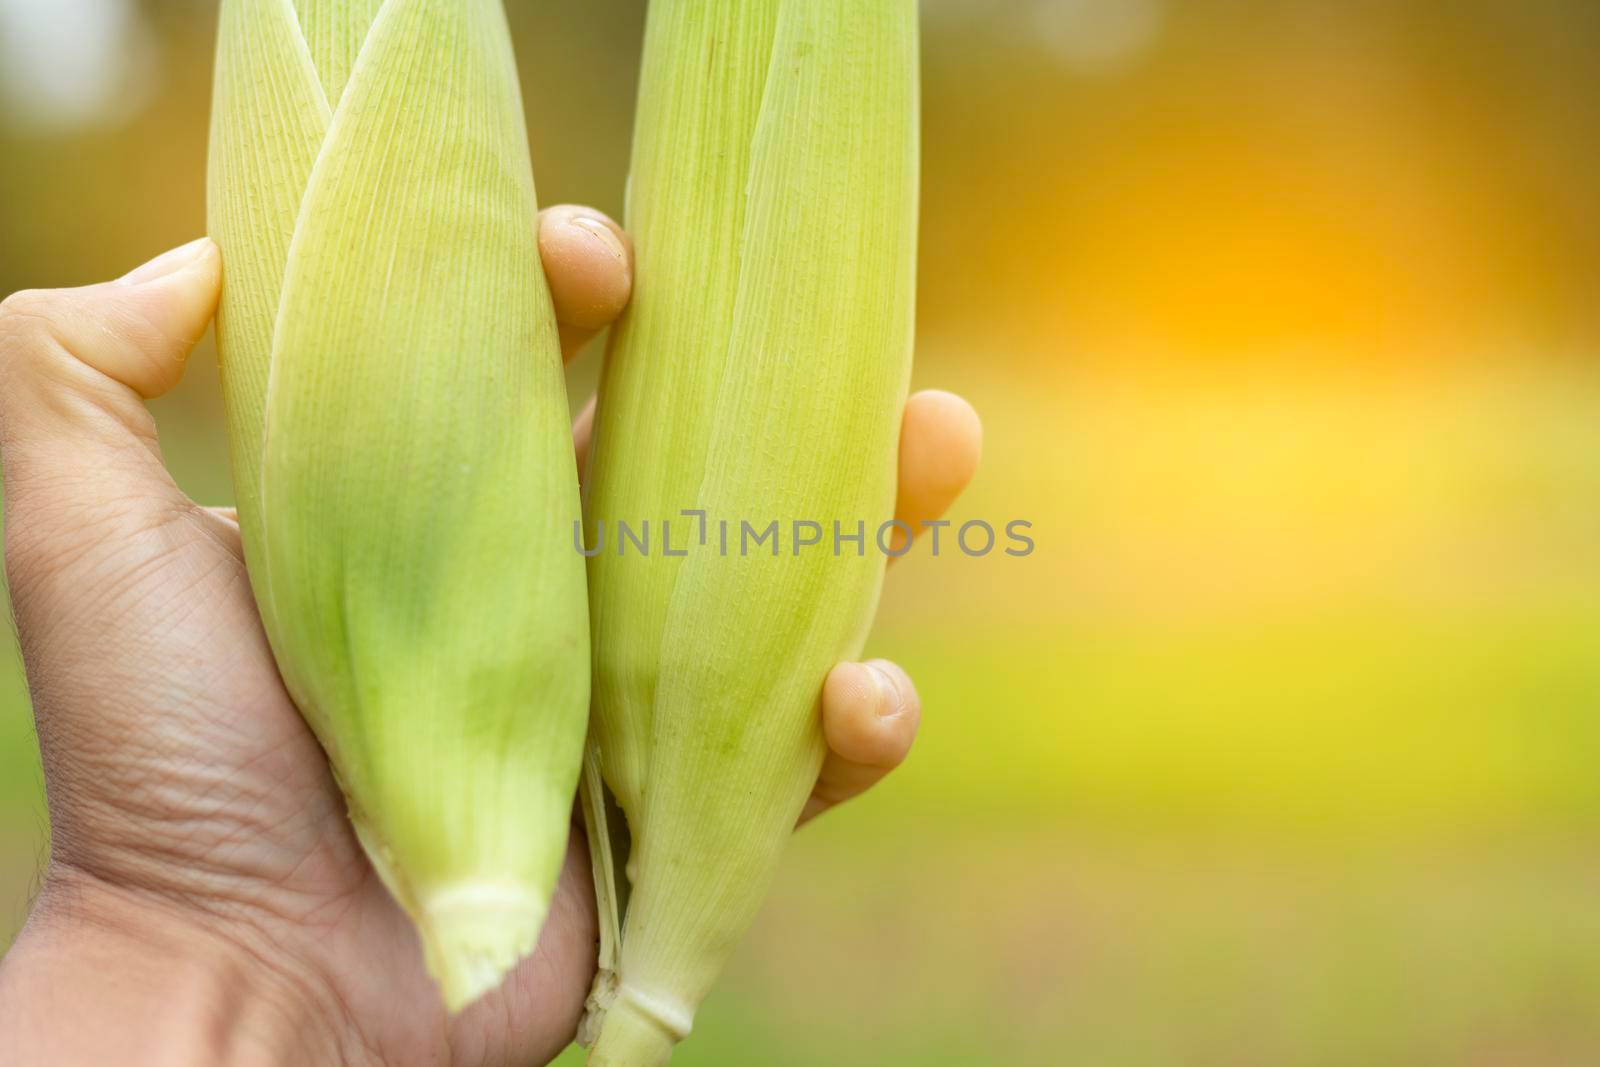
399, 439
759, 374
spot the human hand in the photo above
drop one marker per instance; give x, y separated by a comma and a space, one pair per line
206, 900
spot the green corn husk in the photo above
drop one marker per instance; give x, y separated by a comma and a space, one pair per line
400, 445
759, 374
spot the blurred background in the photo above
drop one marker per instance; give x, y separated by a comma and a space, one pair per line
1284, 320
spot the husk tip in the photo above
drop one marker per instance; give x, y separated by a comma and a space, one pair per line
473, 935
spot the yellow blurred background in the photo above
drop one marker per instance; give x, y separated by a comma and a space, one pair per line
1284, 320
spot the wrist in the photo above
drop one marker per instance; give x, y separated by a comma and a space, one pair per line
103, 975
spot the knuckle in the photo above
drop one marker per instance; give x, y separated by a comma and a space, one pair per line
28, 330
24, 301
24, 318
31, 308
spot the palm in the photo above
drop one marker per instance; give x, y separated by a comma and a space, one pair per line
233, 808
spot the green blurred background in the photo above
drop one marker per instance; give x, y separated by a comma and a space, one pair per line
1284, 320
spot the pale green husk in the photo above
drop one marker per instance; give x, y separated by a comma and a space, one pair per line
759, 374
399, 438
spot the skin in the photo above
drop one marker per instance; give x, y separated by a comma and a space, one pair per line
205, 900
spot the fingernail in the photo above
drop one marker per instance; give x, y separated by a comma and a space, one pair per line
598, 229
167, 263
887, 699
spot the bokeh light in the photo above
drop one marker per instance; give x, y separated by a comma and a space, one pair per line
67, 64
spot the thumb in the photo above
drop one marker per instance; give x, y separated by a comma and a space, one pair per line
136, 331
75, 362
77, 444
